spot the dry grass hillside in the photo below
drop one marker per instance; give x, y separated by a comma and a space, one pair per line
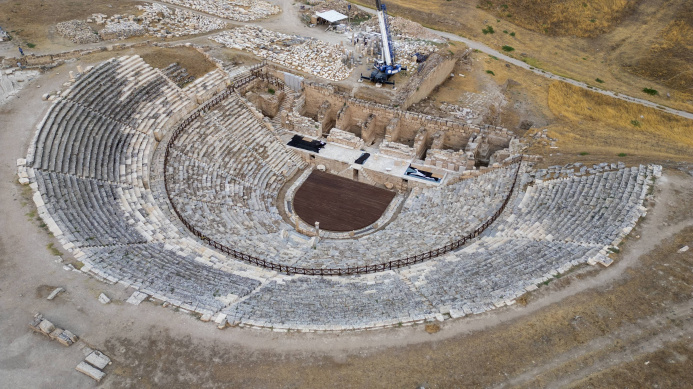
588, 127
670, 58
589, 122
582, 18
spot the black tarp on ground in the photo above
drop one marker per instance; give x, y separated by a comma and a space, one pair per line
300, 143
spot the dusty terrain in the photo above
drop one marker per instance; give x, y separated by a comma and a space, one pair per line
33, 21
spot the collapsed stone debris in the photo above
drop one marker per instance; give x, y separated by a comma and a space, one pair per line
92, 366
44, 327
78, 31
308, 55
165, 22
239, 10
4, 36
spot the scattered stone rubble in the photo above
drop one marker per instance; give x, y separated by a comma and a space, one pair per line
307, 55
156, 20
164, 22
239, 10
4, 36
458, 111
402, 28
45, 327
368, 43
77, 31
118, 28
13, 80
340, 6
93, 364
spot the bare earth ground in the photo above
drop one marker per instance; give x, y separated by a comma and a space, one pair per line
631, 321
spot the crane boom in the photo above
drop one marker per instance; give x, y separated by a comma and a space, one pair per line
388, 55
385, 66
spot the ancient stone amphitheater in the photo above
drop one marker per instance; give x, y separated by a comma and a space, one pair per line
175, 192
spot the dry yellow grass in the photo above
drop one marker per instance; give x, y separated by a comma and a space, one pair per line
668, 59
583, 18
187, 57
594, 123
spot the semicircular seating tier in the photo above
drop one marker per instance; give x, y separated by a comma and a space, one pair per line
98, 176
225, 173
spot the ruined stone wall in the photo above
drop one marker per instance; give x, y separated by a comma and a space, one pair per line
455, 133
449, 159
433, 72
397, 150
364, 175
345, 139
31, 60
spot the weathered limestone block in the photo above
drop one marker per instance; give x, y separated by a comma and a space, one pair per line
397, 150
90, 371
345, 138
420, 142
368, 132
323, 116
448, 159
392, 130
343, 117
97, 359
268, 103
499, 156
303, 125
438, 140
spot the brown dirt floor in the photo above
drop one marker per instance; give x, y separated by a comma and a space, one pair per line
338, 203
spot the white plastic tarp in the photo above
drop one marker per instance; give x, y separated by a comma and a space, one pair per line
331, 16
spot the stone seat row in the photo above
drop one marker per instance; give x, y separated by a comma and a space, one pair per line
493, 272
196, 182
590, 209
130, 91
249, 134
86, 210
77, 141
161, 271
457, 209
354, 302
